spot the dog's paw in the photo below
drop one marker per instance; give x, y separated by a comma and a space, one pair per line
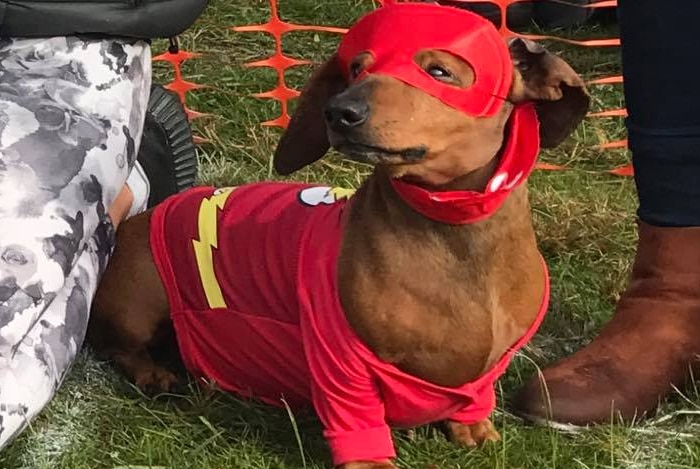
386, 464
155, 380
472, 435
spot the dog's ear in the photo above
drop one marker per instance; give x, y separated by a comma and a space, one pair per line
305, 139
559, 94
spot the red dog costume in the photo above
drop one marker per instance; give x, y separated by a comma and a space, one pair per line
251, 273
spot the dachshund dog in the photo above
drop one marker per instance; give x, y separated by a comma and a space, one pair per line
398, 305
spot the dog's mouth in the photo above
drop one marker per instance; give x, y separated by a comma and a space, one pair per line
373, 154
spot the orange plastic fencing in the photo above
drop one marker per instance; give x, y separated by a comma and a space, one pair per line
280, 62
277, 28
175, 57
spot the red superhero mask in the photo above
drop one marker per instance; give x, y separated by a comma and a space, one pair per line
395, 33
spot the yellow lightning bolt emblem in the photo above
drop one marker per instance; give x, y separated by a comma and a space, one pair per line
207, 221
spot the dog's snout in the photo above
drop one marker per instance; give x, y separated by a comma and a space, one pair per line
343, 113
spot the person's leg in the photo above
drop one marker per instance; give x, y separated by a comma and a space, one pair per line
654, 337
71, 116
30, 376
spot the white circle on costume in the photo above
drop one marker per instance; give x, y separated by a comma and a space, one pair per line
318, 195
497, 181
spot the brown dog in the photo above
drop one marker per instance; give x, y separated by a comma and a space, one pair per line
440, 302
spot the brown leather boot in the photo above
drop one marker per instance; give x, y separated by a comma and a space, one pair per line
647, 347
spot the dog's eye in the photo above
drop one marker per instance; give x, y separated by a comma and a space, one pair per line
439, 73
355, 69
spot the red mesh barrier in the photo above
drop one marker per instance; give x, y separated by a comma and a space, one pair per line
276, 27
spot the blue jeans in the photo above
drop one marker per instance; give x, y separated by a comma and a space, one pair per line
661, 70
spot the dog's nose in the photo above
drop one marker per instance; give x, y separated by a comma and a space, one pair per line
346, 113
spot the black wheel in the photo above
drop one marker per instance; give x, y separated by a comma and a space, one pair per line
167, 153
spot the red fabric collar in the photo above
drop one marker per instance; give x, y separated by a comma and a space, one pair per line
463, 207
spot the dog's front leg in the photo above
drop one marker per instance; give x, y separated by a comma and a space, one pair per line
471, 426
352, 412
346, 396
471, 435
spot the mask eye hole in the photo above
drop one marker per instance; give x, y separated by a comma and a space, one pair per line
440, 73
355, 69
360, 64
445, 67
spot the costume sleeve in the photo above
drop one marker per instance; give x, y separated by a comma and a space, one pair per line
481, 407
345, 396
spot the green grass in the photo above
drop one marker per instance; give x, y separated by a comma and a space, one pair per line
585, 223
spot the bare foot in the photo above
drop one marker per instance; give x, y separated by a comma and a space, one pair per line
472, 435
